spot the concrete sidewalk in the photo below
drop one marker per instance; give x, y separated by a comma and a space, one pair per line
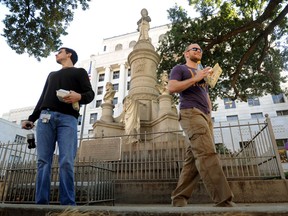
242, 209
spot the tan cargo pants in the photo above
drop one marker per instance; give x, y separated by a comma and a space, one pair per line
201, 159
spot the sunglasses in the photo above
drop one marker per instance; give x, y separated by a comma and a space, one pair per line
195, 49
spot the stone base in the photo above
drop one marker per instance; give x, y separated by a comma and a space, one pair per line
253, 191
166, 122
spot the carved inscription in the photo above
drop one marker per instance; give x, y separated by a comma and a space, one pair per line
106, 149
139, 65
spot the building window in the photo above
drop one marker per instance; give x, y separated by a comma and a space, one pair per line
98, 103
116, 74
278, 98
282, 145
116, 86
282, 112
229, 104
129, 72
132, 44
115, 101
253, 101
128, 85
101, 77
232, 118
161, 37
256, 115
79, 119
19, 139
91, 132
14, 159
93, 118
118, 47
100, 90
104, 49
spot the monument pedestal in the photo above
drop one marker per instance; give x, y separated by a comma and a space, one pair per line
165, 105
107, 112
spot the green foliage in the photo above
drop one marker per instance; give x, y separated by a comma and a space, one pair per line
35, 26
247, 38
222, 149
286, 175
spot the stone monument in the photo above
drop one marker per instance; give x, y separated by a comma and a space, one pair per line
148, 107
143, 25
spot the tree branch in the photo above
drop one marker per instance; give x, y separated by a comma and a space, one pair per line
269, 12
253, 46
263, 53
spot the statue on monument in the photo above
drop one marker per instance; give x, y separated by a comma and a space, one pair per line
143, 25
110, 92
131, 118
162, 87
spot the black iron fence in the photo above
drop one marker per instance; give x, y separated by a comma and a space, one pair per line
94, 180
247, 150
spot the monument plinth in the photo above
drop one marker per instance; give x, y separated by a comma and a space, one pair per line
107, 112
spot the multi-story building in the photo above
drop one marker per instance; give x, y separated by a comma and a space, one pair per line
17, 115
11, 132
111, 65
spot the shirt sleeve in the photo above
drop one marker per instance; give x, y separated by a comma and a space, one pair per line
176, 73
87, 93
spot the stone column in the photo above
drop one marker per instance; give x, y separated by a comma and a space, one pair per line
122, 82
107, 112
93, 80
143, 61
165, 105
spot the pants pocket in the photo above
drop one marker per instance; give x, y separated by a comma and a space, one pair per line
197, 133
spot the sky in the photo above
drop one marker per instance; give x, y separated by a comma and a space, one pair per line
23, 77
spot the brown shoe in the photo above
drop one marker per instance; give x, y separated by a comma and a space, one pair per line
226, 204
179, 202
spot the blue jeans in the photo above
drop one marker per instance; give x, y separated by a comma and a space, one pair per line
62, 129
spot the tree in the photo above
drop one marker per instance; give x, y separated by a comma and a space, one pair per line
35, 26
247, 38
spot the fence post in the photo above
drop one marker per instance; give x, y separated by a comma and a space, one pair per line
275, 148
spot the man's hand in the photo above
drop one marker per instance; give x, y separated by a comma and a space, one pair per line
27, 125
72, 97
202, 73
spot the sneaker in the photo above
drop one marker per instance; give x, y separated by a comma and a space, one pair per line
226, 204
179, 202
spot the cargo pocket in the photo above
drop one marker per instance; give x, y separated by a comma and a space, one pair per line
197, 133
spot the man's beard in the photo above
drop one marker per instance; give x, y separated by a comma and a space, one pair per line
194, 59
